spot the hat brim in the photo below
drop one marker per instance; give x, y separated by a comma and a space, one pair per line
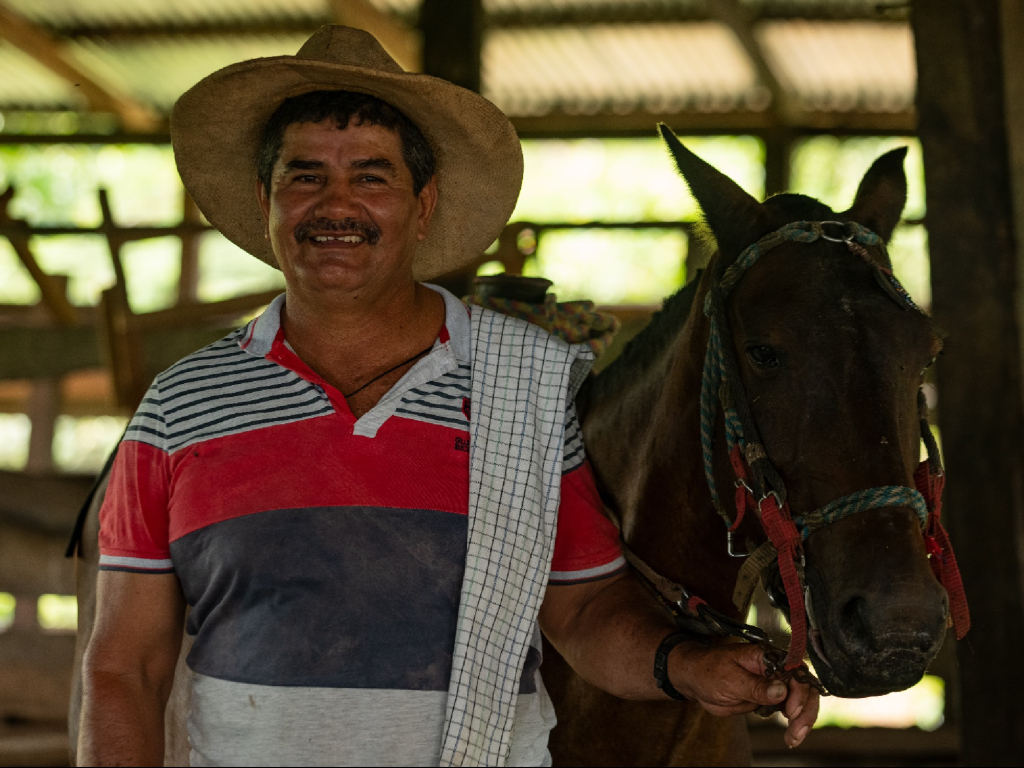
216, 127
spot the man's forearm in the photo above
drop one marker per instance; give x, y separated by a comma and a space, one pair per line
614, 639
122, 721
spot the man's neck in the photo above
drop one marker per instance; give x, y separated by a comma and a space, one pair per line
349, 339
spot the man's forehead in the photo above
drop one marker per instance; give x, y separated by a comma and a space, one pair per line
326, 136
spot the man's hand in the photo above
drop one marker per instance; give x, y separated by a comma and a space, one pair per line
609, 630
730, 680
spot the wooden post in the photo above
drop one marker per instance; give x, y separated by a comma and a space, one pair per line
452, 40
117, 328
188, 278
976, 285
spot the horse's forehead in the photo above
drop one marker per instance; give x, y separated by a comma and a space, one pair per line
819, 286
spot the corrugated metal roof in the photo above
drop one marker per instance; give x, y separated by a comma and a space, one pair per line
658, 67
63, 14
158, 71
842, 66
26, 84
587, 68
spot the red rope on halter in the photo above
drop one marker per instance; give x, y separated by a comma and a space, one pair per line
940, 549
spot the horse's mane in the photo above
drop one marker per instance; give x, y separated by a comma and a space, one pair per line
644, 348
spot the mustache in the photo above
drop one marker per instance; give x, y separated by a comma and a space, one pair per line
367, 229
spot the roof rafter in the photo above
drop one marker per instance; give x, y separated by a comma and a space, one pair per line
399, 39
41, 46
738, 18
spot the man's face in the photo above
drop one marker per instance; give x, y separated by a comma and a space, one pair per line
341, 214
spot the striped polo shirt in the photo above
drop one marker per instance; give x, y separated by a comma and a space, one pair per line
322, 555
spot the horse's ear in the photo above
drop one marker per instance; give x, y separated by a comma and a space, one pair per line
735, 218
881, 195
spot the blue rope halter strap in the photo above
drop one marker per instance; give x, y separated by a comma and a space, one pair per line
758, 483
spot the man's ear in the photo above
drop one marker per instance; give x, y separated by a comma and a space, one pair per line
263, 196
428, 204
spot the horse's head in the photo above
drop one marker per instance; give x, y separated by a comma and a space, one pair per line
831, 365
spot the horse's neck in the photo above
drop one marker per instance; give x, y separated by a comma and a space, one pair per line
643, 438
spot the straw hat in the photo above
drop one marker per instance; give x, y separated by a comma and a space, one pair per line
216, 128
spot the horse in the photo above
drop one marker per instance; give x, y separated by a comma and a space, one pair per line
832, 368
831, 358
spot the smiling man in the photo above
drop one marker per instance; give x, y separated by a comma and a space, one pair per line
331, 491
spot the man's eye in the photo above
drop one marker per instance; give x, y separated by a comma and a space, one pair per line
372, 179
306, 178
763, 356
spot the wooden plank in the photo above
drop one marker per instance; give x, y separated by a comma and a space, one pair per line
33, 746
35, 353
35, 677
43, 503
453, 40
188, 275
43, 409
976, 284
103, 97
33, 563
867, 745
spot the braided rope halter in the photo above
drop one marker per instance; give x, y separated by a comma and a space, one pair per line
760, 489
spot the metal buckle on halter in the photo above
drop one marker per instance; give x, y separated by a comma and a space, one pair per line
847, 234
778, 500
729, 546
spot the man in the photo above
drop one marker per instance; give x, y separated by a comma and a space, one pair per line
361, 527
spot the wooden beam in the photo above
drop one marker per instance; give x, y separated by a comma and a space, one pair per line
33, 353
43, 409
740, 20
41, 46
977, 281
35, 678
52, 289
452, 40
398, 39
188, 275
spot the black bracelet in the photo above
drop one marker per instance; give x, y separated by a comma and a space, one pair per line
661, 663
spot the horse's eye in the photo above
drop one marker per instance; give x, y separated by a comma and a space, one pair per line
763, 357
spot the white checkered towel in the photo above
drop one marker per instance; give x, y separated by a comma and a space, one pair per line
522, 379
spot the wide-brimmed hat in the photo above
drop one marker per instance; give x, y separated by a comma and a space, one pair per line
217, 124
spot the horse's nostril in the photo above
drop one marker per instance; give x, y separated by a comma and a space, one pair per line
855, 620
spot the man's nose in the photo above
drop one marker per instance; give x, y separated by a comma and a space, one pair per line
337, 200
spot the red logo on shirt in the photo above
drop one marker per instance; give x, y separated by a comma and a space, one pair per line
465, 407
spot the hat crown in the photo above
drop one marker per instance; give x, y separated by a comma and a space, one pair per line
336, 44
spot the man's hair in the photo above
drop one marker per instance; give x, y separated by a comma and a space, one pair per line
344, 107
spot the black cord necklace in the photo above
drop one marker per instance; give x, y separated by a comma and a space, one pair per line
417, 356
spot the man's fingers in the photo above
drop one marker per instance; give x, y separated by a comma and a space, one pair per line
797, 699
763, 690
750, 657
800, 726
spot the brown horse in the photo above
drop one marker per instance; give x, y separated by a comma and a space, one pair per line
831, 366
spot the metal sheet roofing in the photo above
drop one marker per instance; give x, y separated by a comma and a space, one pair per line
657, 67
686, 63
833, 66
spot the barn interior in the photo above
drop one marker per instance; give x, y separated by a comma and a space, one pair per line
109, 273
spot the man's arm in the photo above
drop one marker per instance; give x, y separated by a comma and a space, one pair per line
128, 668
609, 631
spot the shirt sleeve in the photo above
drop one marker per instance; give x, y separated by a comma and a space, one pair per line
586, 542
134, 518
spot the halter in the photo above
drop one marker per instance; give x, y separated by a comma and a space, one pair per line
760, 488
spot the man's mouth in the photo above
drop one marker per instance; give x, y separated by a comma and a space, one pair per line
347, 231
338, 239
